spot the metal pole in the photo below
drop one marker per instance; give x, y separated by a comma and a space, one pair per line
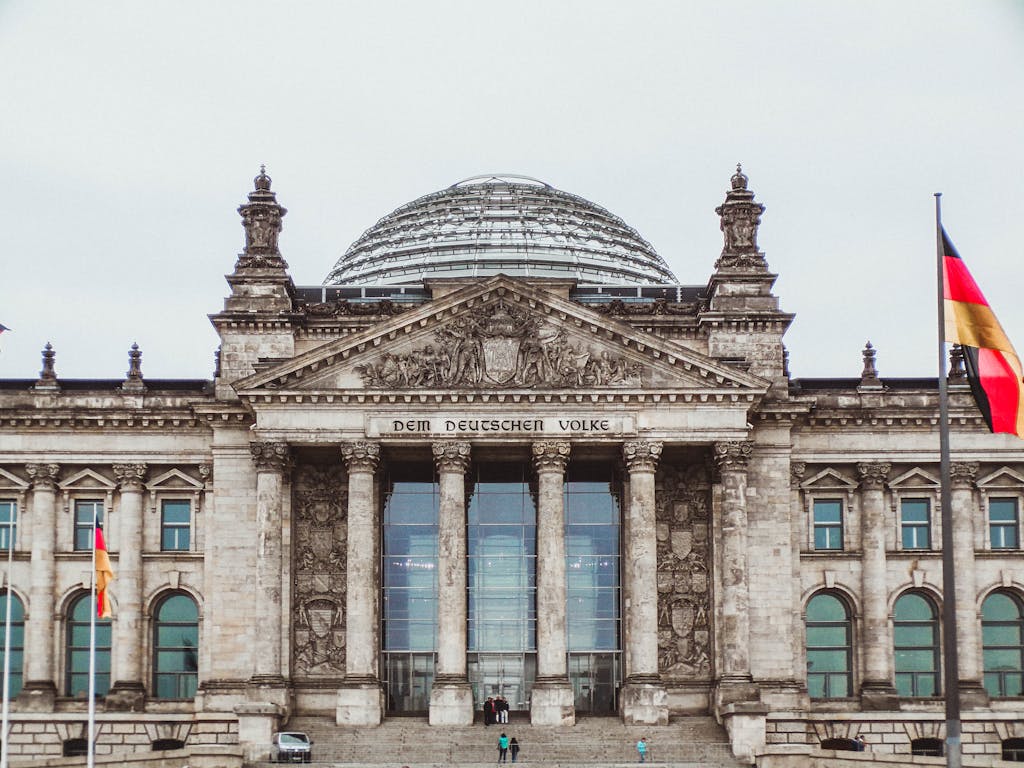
949, 650
7, 646
91, 757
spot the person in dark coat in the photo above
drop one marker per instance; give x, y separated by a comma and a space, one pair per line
513, 749
489, 711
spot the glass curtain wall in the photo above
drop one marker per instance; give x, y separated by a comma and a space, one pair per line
502, 549
592, 545
409, 575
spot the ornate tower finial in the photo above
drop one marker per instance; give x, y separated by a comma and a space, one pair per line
741, 217
261, 218
48, 376
133, 379
956, 364
869, 375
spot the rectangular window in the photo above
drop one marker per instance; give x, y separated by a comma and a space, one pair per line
828, 524
1003, 524
175, 525
85, 510
8, 523
915, 523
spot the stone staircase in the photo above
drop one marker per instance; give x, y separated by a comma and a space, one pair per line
688, 742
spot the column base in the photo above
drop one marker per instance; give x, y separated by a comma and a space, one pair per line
256, 726
973, 695
451, 703
37, 696
735, 689
745, 723
643, 702
360, 702
552, 703
879, 696
126, 696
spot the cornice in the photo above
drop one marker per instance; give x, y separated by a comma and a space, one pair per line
106, 420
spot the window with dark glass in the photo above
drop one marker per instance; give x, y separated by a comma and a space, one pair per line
1002, 633
928, 747
8, 524
915, 523
175, 525
86, 510
77, 683
17, 641
176, 648
1003, 524
829, 648
828, 524
1013, 750
916, 641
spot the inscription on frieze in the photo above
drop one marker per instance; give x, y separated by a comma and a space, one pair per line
684, 590
509, 424
320, 528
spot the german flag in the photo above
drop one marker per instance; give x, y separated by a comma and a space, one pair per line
104, 575
993, 368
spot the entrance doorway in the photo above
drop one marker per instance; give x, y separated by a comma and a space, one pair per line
594, 678
408, 678
503, 674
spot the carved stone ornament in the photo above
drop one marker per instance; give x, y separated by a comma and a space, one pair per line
361, 455
551, 455
657, 307
451, 455
684, 591
641, 455
261, 218
741, 217
344, 308
131, 477
963, 473
873, 474
319, 501
43, 476
501, 345
734, 454
271, 457
796, 473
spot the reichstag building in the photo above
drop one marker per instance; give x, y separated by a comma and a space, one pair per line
501, 451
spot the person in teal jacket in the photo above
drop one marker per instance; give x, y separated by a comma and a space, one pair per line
503, 749
641, 749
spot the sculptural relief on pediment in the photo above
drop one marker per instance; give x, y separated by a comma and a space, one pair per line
501, 345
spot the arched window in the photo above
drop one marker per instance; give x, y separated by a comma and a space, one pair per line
78, 650
17, 641
829, 648
916, 640
1002, 632
176, 648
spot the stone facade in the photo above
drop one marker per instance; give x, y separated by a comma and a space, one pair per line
245, 515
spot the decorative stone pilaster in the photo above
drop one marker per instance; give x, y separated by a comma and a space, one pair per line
962, 477
731, 460
40, 690
552, 701
644, 700
451, 697
877, 691
361, 698
273, 463
129, 692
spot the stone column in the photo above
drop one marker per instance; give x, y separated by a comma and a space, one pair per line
39, 690
451, 697
552, 701
361, 698
968, 643
731, 459
129, 690
877, 690
273, 462
643, 700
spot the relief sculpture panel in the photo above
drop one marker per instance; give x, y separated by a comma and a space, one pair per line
684, 591
320, 533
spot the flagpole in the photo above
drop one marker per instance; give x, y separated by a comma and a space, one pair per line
93, 607
950, 657
7, 647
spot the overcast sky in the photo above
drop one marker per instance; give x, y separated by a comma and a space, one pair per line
131, 131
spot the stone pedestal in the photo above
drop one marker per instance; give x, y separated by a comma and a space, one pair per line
451, 703
37, 696
256, 726
125, 696
746, 725
360, 703
644, 703
552, 703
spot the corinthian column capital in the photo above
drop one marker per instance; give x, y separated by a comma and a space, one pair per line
963, 473
43, 476
361, 454
451, 455
873, 474
551, 455
733, 454
131, 477
641, 455
271, 457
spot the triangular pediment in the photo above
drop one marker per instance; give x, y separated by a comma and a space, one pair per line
914, 478
1004, 477
12, 482
175, 480
88, 480
502, 334
828, 479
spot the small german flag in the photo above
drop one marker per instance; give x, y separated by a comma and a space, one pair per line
993, 368
104, 575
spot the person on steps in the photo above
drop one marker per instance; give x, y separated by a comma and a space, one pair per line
641, 749
503, 748
513, 748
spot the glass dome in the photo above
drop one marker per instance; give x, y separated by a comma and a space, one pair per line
488, 225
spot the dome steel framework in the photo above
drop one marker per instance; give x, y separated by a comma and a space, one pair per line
486, 225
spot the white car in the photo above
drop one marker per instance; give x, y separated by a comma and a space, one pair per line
291, 747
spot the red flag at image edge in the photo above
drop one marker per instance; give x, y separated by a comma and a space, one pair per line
993, 367
104, 575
